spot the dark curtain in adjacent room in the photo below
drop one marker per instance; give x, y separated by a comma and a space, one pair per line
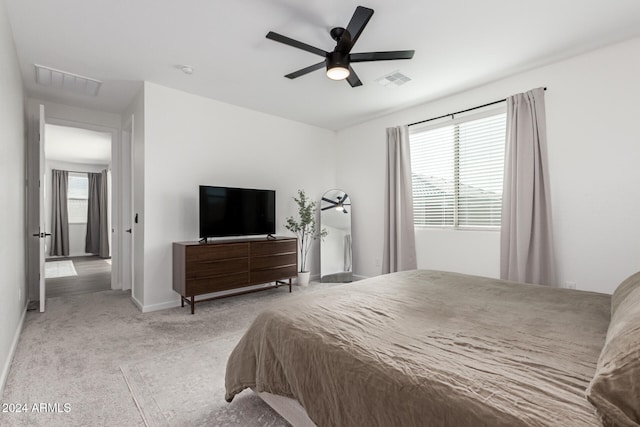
59, 214
97, 240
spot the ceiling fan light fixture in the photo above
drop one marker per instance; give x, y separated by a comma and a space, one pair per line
338, 73
338, 65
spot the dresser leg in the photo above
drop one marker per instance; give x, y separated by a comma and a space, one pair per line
181, 300
289, 284
193, 304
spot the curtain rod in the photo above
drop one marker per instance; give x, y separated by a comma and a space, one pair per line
460, 112
65, 170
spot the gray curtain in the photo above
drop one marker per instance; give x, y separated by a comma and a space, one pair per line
399, 235
59, 214
526, 244
97, 240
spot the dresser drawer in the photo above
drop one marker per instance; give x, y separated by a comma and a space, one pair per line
273, 274
216, 284
213, 252
213, 268
273, 247
264, 262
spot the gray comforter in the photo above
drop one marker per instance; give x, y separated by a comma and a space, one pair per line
428, 348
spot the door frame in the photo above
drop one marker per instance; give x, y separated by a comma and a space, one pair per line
116, 195
33, 204
34, 250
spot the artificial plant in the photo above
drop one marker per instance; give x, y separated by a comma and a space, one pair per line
305, 226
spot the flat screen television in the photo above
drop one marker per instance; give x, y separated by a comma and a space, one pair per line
226, 211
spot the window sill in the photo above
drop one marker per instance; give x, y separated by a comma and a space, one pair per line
451, 228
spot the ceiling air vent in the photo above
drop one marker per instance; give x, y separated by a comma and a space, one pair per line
67, 81
393, 79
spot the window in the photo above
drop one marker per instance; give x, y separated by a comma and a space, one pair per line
457, 170
77, 197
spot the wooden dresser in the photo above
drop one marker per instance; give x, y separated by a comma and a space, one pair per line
223, 265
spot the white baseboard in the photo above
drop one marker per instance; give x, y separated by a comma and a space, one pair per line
176, 302
137, 303
12, 351
161, 306
154, 307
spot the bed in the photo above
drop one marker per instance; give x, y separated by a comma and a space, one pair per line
424, 348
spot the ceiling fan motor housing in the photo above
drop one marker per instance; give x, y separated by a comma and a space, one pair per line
337, 59
338, 32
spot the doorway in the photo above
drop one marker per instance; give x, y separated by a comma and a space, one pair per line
39, 181
77, 204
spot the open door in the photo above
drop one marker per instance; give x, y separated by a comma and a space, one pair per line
41, 229
127, 206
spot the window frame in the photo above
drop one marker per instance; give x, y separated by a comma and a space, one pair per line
453, 120
70, 199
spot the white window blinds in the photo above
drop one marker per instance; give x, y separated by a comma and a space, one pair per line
77, 197
457, 170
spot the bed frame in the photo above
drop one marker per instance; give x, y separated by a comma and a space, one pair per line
290, 409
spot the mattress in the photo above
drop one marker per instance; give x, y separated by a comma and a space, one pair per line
426, 348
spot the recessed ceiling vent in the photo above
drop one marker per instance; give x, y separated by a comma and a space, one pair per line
393, 79
67, 81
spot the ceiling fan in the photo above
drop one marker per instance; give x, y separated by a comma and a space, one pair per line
338, 62
338, 204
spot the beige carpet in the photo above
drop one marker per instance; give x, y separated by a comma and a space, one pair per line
186, 388
73, 354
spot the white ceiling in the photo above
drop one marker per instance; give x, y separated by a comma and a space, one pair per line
75, 145
459, 45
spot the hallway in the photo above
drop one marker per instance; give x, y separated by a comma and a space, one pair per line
93, 275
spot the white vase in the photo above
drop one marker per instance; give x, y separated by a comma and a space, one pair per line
303, 278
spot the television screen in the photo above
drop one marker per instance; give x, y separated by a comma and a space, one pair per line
228, 211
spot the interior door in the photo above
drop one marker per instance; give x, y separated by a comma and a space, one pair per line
41, 190
127, 206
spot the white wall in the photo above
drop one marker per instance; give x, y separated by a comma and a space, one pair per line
12, 214
191, 140
594, 153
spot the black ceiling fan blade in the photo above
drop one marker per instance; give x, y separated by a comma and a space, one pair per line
345, 197
353, 79
328, 207
306, 70
359, 20
295, 43
381, 56
330, 201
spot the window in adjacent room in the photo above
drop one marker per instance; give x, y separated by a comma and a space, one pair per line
457, 169
77, 197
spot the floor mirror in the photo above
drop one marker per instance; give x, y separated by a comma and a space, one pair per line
335, 248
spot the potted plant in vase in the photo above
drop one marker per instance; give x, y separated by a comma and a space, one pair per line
305, 229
